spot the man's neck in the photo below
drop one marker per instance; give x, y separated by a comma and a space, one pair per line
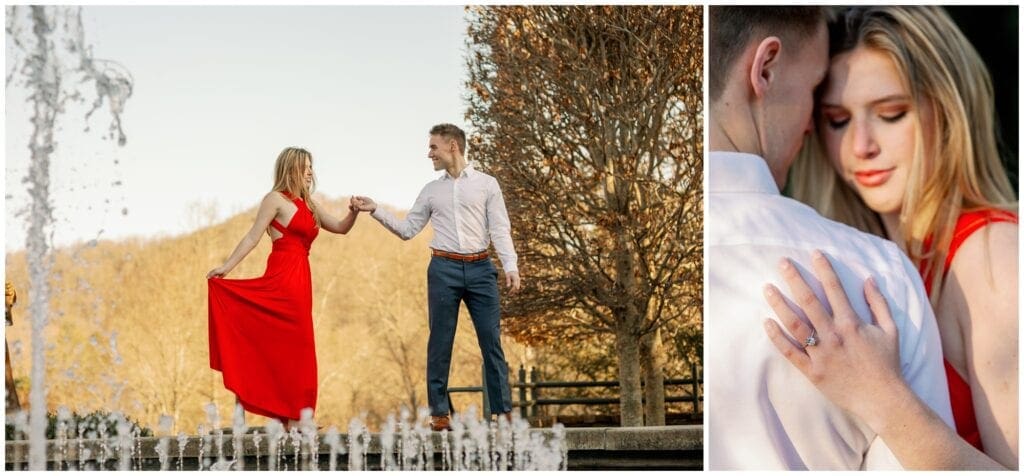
732, 128
720, 140
455, 171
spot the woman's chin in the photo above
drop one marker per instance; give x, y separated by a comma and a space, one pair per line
882, 205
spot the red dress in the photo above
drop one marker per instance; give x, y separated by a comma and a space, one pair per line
261, 329
959, 389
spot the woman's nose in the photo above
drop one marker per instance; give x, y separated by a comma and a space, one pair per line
864, 144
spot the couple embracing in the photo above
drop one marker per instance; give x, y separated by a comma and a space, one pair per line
894, 343
261, 329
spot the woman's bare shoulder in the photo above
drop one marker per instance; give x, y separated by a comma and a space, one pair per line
273, 199
993, 245
985, 266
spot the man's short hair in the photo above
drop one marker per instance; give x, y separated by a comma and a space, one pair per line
450, 131
732, 27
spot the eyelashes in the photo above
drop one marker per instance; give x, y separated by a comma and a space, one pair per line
841, 121
895, 117
837, 124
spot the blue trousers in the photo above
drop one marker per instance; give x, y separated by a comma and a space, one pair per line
449, 282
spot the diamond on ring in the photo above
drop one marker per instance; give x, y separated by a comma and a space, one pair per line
811, 340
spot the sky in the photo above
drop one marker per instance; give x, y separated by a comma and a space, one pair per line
219, 91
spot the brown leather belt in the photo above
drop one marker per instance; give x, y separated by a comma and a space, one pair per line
460, 257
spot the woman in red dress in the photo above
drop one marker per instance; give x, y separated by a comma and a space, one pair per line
906, 149
261, 329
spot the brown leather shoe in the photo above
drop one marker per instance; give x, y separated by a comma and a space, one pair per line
438, 423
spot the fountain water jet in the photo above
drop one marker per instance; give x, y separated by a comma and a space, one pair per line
403, 444
163, 447
54, 50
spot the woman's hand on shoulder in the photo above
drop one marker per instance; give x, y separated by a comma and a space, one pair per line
854, 363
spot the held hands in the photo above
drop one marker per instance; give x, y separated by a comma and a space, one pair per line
512, 281
852, 362
363, 204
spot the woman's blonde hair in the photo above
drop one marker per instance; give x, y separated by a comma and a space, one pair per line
288, 172
940, 69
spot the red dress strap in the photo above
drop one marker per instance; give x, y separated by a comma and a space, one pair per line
970, 222
966, 225
277, 226
274, 223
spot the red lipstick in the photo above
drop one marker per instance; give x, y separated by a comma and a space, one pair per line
873, 178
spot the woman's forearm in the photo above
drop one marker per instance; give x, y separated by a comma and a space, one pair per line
346, 224
920, 439
241, 251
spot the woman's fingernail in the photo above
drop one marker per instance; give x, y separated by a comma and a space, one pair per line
769, 290
817, 254
784, 264
871, 283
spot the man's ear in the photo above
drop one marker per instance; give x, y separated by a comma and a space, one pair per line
453, 146
763, 70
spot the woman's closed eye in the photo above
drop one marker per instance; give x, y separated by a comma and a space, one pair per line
837, 121
893, 116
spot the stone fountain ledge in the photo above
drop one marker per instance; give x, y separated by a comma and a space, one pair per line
650, 438
665, 447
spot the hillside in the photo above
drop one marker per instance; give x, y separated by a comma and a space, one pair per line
129, 326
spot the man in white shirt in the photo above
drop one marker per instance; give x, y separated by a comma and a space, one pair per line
762, 412
467, 211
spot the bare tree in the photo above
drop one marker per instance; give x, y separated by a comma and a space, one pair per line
591, 119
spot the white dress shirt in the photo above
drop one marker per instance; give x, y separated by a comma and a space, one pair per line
468, 214
762, 412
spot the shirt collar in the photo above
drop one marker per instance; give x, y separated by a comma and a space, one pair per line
739, 172
466, 172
